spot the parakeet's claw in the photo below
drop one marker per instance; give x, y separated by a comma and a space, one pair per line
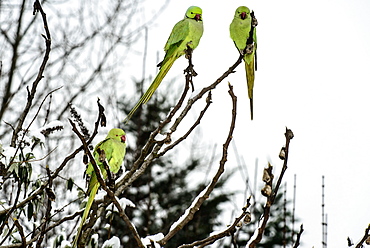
190, 70
190, 73
111, 183
188, 50
102, 156
249, 48
254, 20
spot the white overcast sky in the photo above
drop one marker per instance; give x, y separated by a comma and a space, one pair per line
313, 77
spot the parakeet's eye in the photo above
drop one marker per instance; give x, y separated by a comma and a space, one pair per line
192, 13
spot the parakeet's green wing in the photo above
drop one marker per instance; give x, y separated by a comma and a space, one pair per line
255, 48
115, 153
186, 32
240, 29
249, 69
179, 34
90, 168
114, 149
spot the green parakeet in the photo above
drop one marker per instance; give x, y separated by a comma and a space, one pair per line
242, 28
186, 33
114, 147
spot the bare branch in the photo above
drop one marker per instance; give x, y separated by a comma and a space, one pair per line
31, 95
271, 198
366, 238
51, 177
50, 198
140, 165
230, 230
195, 206
15, 48
178, 120
11, 210
21, 232
296, 244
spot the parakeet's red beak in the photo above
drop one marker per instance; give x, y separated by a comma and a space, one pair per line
123, 138
198, 17
243, 15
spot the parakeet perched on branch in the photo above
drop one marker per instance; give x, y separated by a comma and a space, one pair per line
112, 150
243, 33
185, 34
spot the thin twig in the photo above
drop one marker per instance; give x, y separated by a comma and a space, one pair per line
35, 160
88, 142
39, 191
270, 199
296, 244
144, 159
35, 237
139, 166
21, 232
50, 198
11, 210
42, 187
32, 93
197, 122
195, 206
364, 238
288, 136
41, 104
227, 232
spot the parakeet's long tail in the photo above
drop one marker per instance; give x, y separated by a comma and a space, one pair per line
86, 212
249, 69
152, 88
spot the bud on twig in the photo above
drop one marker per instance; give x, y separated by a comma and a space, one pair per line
266, 191
282, 153
247, 219
289, 134
266, 176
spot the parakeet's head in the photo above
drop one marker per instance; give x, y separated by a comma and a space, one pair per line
242, 12
117, 134
194, 12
